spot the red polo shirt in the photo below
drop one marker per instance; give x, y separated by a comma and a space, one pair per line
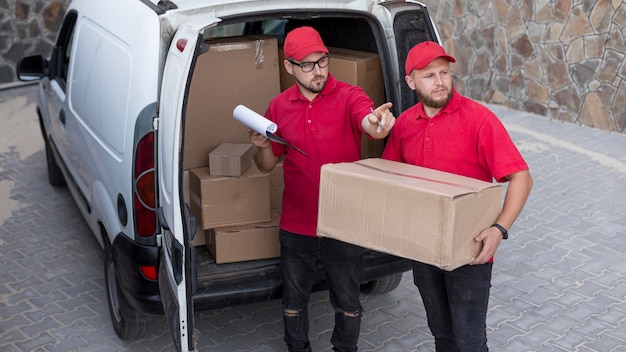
328, 129
464, 138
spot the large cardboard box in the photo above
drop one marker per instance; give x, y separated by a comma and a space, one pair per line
230, 159
409, 211
361, 69
228, 201
239, 70
358, 68
247, 242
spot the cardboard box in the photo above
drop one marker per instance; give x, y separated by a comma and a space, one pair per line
230, 159
234, 70
361, 69
277, 185
228, 201
186, 196
358, 68
409, 211
201, 234
248, 242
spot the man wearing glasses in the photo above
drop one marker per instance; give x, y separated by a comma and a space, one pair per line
324, 118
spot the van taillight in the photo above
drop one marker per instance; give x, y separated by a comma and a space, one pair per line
181, 44
144, 197
149, 272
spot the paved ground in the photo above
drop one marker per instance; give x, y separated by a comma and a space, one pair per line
559, 283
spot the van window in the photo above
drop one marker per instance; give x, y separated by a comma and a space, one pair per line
275, 27
99, 95
228, 30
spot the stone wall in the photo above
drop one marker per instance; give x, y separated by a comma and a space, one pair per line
27, 27
563, 59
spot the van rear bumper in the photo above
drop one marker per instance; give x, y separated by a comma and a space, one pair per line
141, 296
266, 284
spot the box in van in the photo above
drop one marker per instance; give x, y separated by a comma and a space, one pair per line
220, 201
234, 70
230, 159
245, 242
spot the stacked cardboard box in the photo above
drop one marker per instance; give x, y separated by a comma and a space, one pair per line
239, 70
228, 201
244, 199
230, 159
234, 70
277, 185
245, 242
361, 69
405, 210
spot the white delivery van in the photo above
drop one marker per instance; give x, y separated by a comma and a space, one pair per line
135, 95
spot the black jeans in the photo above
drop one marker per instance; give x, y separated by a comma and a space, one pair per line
300, 256
456, 305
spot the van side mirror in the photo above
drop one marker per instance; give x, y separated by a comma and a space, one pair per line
32, 68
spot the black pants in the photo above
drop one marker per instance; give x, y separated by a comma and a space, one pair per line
342, 262
456, 305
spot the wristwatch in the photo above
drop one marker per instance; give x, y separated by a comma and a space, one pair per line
505, 232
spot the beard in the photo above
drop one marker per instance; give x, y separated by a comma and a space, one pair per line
429, 101
313, 86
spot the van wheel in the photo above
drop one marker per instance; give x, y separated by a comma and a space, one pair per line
55, 176
126, 330
382, 285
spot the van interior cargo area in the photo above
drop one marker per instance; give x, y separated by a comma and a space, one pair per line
214, 84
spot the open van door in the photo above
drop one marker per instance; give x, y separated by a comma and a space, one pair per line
411, 25
176, 266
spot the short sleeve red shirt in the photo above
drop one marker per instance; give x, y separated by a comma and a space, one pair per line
328, 129
464, 138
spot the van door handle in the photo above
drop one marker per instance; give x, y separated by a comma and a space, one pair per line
62, 116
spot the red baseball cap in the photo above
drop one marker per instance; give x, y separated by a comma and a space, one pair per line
302, 41
423, 54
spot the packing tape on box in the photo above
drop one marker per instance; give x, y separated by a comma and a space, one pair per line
470, 188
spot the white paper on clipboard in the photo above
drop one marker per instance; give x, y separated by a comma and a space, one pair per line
260, 124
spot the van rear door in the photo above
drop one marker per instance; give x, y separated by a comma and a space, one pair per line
411, 25
176, 273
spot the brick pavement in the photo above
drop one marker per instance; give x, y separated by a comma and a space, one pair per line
559, 283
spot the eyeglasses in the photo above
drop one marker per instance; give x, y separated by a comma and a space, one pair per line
310, 66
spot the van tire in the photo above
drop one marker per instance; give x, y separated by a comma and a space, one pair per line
55, 175
124, 329
382, 285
